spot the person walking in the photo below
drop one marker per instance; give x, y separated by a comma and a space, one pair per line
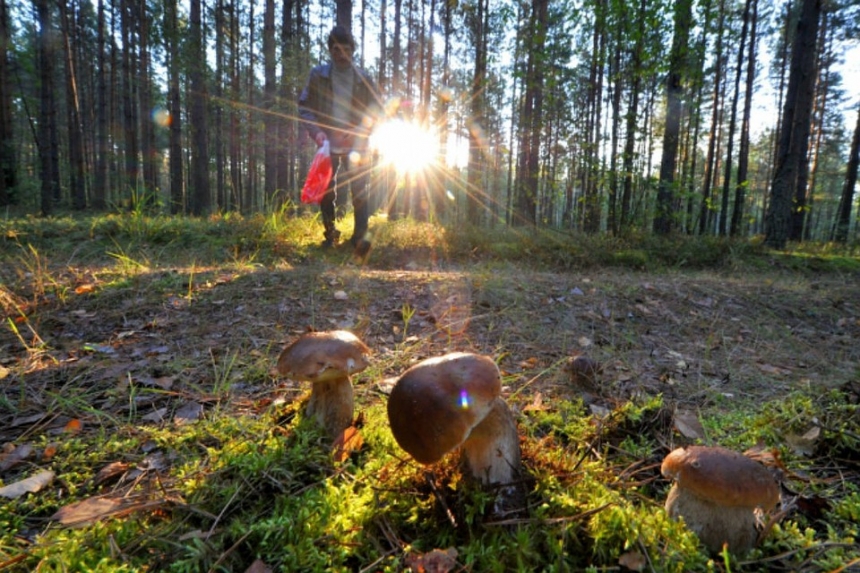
340, 103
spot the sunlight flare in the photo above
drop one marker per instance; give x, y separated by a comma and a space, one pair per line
405, 145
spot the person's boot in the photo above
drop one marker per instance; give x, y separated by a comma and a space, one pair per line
332, 236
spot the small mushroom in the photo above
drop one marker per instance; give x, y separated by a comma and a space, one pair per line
720, 494
326, 359
455, 400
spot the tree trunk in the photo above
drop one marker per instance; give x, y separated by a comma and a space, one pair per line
343, 13
270, 158
794, 132
129, 103
200, 200
100, 179
629, 154
49, 163
663, 219
8, 161
149, 152
477, 141
843, 219
744, 152
77, 180
736, 94
174, 103
706, 209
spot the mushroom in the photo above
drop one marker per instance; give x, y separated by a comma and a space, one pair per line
718, 492
326, 359
455, 400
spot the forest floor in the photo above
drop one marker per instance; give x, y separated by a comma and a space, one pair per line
93, 346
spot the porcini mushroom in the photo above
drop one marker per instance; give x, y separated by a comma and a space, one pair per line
718, 491
455, 400
326, 359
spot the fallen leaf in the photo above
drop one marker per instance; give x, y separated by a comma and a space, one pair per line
687, 422
805, 444
258, 566
774, 370
536, 405
436, 561
15, 456
187, 413
73, 426
4, 372
83, 289
87, 511
31, 484
348, 441
632, 560
111, 471
49, 452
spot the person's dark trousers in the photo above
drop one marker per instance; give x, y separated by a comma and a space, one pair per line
355, 179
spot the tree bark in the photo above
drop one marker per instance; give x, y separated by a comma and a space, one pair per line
531, 118
174, 103
794, 131
100, 179
270, 158
49, 163
77, 180
8, 161
200, 201
744, 151
663, 220
736, 94
843, 219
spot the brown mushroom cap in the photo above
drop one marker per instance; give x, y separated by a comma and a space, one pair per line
721, 476
436, 403
321, 356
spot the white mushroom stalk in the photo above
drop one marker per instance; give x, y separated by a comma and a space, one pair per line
327, 360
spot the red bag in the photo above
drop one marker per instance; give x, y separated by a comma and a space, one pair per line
319, 176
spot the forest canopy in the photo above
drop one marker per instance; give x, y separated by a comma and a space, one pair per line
710, 117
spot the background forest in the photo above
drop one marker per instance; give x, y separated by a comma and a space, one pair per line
576, 114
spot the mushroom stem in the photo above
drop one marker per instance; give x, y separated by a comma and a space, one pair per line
331, 404
492, 451
714, 525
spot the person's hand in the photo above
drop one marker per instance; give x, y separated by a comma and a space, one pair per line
320, 138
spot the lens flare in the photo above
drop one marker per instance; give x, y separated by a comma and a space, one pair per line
465, 401
405, 145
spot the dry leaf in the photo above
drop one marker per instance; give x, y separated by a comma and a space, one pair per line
31, 484
73, 426
348, 441
49, 452
258, 566
774, 370
15, 456
83, 289
111, 471
687, 422
436, 561
632, 560
88, 511
187, 413
805, 444
536, 405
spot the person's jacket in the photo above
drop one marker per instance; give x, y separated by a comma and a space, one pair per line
316, 104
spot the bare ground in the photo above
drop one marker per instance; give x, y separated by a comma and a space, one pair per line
704, 340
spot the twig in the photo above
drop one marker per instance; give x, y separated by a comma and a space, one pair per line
228, 552
431, 482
